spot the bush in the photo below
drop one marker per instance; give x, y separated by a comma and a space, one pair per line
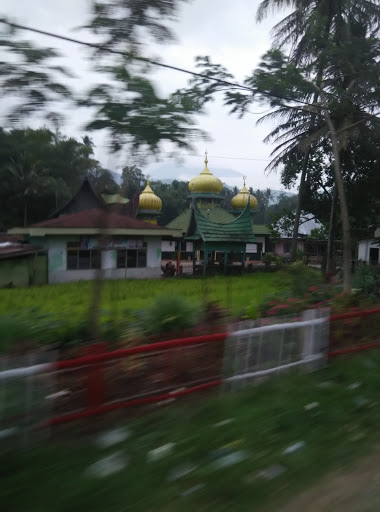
267, 258
298, 278
168, 314
367, 279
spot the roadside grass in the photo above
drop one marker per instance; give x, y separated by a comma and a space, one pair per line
265, 419
59, 312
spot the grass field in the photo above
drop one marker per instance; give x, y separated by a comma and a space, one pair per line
332, 416
57, 312
235, 292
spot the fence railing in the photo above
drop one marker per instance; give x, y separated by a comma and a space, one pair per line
101, 381
36, 390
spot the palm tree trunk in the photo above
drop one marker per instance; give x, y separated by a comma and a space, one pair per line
347, 255
25, 211
301, 188
330, 267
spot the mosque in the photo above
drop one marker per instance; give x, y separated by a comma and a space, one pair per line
122, 237
211, 236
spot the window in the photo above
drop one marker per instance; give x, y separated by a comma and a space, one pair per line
131, 258
286, 247
81, 259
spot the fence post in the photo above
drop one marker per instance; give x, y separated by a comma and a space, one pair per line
315, 337
308, 342
95, 377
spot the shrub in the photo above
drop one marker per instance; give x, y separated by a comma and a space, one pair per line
367, 279
168, 314
298, 278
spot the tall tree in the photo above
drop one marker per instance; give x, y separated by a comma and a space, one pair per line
308, 30
32, 78
132, 179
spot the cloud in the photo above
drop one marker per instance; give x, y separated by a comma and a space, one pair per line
225, 31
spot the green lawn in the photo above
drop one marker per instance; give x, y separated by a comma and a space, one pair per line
236, 292
341, 425
58, 312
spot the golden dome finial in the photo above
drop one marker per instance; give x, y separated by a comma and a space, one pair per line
239, 202
148, 199
205, 182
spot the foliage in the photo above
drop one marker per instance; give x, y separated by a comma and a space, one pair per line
367, 280
298, 277
32, 78
268, 258
132, 179
40, 170
168, 314
277, 420
134, 115
59, 313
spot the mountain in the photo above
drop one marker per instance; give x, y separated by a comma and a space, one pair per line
276, 195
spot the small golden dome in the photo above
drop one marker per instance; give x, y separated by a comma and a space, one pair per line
239, 202
148, 200
206, 182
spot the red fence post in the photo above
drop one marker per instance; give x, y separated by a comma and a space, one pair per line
95, 377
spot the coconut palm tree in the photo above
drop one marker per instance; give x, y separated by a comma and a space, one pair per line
310, 30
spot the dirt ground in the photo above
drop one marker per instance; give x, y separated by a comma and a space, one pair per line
354, 489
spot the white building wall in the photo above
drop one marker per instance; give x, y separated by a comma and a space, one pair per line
153, 257
168, 245
56, 259
261, 240
363, 251
364, 248
108, 259
57, 262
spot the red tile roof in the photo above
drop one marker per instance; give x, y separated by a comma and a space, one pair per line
96, 218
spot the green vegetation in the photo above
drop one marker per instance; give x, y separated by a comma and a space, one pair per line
340, 425
58, 313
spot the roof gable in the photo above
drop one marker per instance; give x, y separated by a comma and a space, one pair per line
86, 198
239, 230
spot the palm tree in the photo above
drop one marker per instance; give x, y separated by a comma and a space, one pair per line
309, 30
30, 178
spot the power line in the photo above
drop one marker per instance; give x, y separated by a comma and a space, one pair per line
174, 68
196, 155
149, 61
233, 158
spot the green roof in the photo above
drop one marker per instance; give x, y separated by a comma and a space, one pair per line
260, 229
239, 230
216, 214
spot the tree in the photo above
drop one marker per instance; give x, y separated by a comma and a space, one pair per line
134, 115
104, 181
132, 179
32, 78
39, 170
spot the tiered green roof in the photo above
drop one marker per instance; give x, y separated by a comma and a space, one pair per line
239, 230
216, 214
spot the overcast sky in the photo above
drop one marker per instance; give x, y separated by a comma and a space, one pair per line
224, 30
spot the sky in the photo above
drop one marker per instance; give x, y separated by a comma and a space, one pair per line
225, 31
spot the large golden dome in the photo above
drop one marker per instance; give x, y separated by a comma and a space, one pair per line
148, 200
239, 202
206, 182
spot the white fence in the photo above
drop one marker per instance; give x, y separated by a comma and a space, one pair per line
27, 385
263, 350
